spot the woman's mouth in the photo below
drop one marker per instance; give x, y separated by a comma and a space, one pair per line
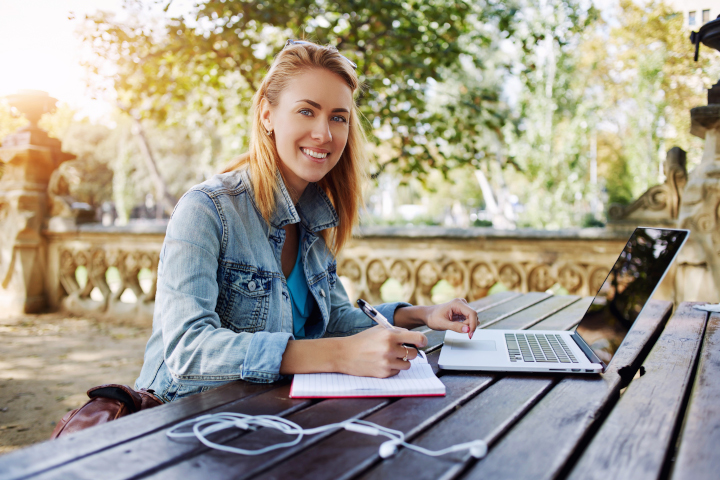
314, 154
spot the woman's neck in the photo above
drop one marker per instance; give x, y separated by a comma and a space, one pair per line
294, 184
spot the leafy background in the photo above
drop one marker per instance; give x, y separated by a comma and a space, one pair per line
525, 94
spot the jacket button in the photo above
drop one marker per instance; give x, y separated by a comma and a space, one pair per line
322, 293
251, 285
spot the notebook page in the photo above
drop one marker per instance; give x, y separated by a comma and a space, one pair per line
419, 379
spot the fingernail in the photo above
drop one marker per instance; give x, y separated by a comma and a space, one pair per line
465, 329
470, 335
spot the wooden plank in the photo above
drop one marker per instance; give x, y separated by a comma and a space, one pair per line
202, 464
536, 313
636, 439
546, 438
490, 301
697, 456
435, 340
487, 416
506, 309
346, 454
153, 450
567, 318
37, 458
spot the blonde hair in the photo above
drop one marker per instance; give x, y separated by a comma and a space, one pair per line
343, 184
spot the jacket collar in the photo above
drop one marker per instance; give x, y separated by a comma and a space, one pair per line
314, 210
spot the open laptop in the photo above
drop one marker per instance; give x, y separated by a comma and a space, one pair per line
590, 346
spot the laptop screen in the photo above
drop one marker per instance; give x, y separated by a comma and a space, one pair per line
631, 282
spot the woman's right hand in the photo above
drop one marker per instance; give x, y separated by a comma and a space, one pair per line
378, 352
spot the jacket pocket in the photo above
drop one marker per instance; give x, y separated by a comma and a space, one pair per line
177, 390
244, 299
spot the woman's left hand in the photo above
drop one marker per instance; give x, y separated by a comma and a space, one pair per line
455, 315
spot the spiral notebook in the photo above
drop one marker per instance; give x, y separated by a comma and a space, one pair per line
417, 381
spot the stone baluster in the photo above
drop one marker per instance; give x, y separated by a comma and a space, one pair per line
699, 275
28, 157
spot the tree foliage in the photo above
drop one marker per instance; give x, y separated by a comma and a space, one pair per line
528, 91
431, 90
649, 83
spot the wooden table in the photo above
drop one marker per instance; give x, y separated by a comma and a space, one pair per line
666, 423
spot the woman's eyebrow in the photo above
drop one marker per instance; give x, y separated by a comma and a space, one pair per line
317, 105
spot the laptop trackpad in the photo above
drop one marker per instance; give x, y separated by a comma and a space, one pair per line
474, 345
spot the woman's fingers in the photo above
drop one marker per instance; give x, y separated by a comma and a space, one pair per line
413, 338
406, 352
457, 316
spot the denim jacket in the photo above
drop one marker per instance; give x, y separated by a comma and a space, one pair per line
222, 309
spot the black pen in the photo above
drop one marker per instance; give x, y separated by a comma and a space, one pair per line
378, 317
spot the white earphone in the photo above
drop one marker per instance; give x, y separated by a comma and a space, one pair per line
211, 423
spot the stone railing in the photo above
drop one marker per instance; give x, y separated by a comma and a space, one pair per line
106, 272
112, 272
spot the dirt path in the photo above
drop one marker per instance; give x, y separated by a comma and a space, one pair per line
48, 361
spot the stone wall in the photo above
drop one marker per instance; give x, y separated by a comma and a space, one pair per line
471, 261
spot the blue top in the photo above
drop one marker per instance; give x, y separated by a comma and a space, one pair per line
302, 302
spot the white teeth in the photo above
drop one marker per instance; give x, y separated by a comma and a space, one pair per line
314, 154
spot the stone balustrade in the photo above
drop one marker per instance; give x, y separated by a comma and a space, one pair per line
471, 261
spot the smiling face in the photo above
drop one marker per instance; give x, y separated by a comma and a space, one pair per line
310, 126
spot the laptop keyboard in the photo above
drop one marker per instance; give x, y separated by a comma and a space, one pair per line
538, 347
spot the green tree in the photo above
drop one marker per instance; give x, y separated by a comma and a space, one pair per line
201, 70
548, 140
649, 82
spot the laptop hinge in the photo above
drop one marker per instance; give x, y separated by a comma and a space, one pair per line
587, 350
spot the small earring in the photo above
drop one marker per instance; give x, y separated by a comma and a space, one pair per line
269, 133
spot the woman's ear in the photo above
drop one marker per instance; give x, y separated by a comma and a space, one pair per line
266, 115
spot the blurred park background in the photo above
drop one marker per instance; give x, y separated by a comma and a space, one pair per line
517, 113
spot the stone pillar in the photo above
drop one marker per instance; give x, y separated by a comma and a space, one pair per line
27, 159
699, 275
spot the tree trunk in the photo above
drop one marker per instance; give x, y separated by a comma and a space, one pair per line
163, 198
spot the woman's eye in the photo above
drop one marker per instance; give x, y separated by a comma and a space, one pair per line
339, 118
306, 112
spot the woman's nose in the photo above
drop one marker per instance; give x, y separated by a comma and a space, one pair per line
321, 131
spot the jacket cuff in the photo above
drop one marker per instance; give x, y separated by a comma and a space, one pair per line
388, 309
264, 356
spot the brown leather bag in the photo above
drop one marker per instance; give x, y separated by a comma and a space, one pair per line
107, 403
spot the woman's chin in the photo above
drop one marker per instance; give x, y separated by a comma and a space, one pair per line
314, 175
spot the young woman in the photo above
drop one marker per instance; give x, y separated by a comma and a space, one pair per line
247, 281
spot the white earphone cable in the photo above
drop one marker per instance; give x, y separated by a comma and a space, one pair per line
205, 425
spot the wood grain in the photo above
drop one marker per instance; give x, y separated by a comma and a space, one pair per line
697, 456
346, 454
635, 439
567, 318
536, 313
33, 460
490, 301
487, 416
154, 450
547, 437
508, 308
216, 464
